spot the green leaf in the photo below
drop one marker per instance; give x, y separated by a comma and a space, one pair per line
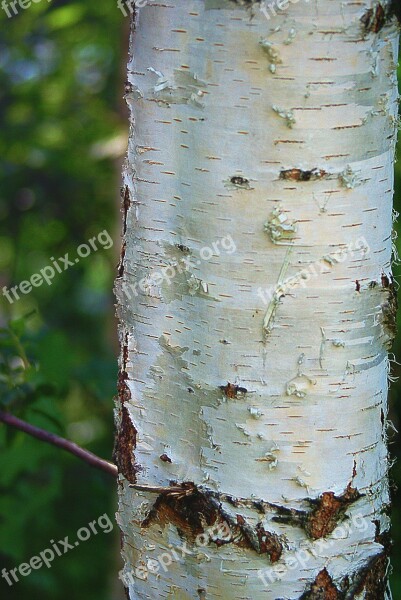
65, 16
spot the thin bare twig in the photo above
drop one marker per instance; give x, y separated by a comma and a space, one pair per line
51, 438
183, 490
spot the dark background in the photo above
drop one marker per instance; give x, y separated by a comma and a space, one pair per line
63, 130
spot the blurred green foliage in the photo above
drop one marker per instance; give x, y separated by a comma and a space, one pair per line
62, 133
62, 130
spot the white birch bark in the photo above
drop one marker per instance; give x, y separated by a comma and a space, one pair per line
269, 412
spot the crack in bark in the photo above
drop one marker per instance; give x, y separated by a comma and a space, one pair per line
194, 513
126, 198
120, 268
126, 203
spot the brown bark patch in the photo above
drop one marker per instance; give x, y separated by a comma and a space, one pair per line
328, 511
300, 175
269, 543
323, 588
123, 453
126, 203
189, 511
125, 439
231, 391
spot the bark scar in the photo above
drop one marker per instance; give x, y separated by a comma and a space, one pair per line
327, 511
195, 512
125, 443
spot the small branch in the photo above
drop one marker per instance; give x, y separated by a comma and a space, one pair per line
183, 490
45, 436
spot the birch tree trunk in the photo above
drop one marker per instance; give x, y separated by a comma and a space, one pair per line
256, 301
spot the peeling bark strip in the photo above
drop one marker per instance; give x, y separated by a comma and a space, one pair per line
277, 128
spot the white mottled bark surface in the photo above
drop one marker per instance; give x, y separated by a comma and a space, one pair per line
222, 93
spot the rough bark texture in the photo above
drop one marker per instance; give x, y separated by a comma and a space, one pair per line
262, 412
